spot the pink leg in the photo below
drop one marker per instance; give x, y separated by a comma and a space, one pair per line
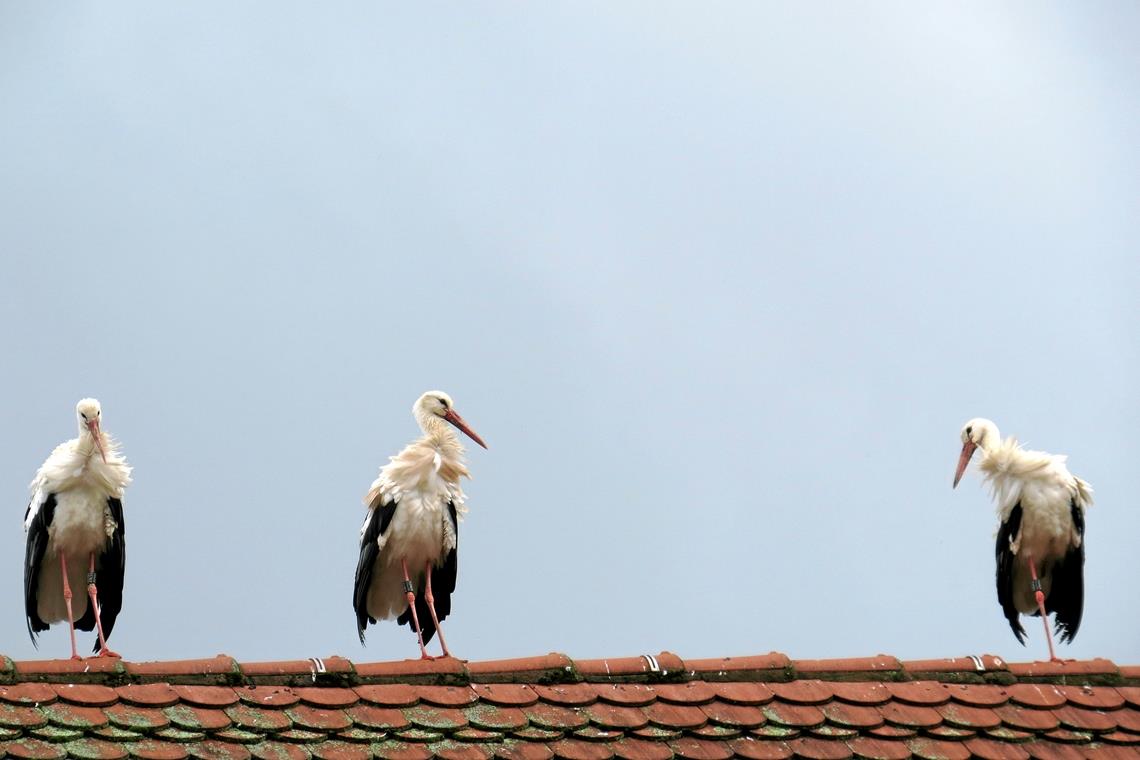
431, 606
93, 592
1039, 595
67, 601
412, 606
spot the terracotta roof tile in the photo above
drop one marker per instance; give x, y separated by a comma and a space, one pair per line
728, 714
861, 692
936, 749
32, 748
86, 694
978, 695
74, 716
1036, 695
699, 749
95, 749
525, 751
993, 750
28, 693
910, 716
878, 749
715, 731
505, 694
576, 749
852, 716
211, 749
809, 692
919, 692
668, 715
388, 695
640, 749
556, 717
570, 694
965, 716
447, 696
760, 750
278, 751
259, 719
610, 716
398, 751
625, 693
689, 693
336, 750
148, 695
494, 718
150, 749
1080, 719
818, 749
795, 716
744, 693
652, 706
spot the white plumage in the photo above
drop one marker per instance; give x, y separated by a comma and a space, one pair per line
411, 530
76, 512
1041, 507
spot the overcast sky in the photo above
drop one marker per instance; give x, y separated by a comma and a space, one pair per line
718, 284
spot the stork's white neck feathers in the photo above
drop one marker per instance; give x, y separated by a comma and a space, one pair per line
1008, 470
78, 462
432, 463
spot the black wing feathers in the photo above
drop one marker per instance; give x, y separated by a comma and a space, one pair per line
1007, 531
442, 585
110, 569
33, 556
377, 523
1067, 593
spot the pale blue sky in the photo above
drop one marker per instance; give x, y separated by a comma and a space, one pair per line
717, 283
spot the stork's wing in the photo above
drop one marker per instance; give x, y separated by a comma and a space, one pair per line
377, 523
111, 569
37, 520
1006, 533
442, 585
1067, 594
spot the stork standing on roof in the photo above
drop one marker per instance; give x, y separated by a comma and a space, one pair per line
76, 534
409, 540
1040, 542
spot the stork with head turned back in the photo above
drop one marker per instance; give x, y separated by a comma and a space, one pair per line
412, 522
76, 534
1040, 543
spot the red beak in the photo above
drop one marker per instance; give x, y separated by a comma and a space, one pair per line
93, 427
451, 416
967, 452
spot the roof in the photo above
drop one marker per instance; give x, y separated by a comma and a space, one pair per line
764, 706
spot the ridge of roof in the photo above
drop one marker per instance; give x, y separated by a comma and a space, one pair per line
553, 668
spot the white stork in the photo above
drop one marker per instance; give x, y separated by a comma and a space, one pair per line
413, 509
76, 534
1040, 543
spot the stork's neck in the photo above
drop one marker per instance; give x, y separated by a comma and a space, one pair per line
437, 431
86, 442
990, 439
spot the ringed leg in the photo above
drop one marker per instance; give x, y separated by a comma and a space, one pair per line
411, 596
431, 606
93, 592
1039, 595
67, 601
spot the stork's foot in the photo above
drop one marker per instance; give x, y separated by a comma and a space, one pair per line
76, 658
105, 652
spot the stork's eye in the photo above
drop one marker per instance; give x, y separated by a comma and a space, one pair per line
969, 430
84, 416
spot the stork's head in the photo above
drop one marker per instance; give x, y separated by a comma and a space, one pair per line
90, 415
438, 404
977, 433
